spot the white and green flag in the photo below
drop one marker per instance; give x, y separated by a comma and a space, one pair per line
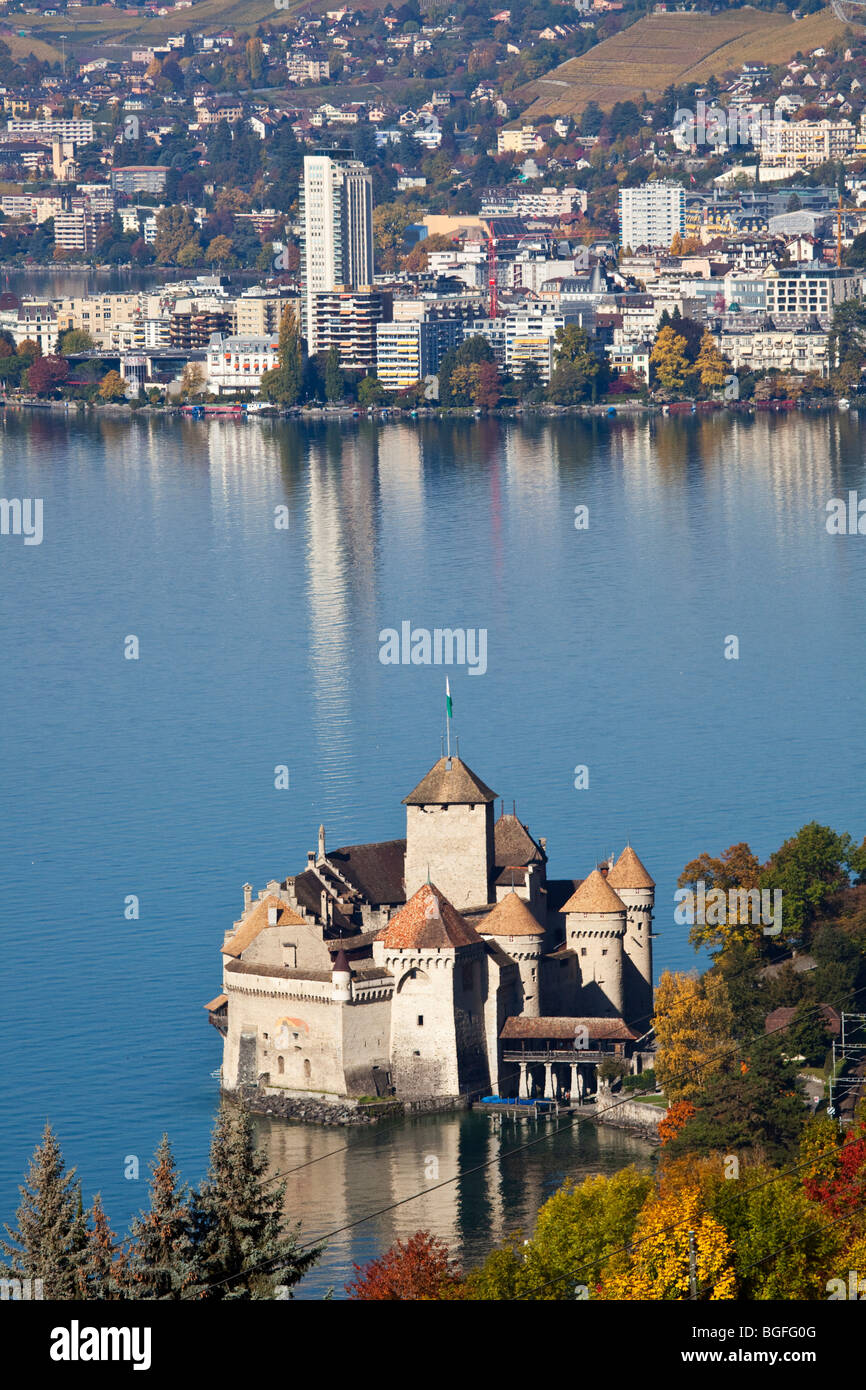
448, 698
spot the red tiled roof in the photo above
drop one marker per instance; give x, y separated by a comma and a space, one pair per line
609, 1029
428, 919
256, 921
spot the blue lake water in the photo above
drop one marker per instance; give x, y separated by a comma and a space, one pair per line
260, 647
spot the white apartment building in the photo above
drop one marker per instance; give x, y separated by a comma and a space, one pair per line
141, 220
809, 289
34, 321
804, 144
530, 335
139, 333
410, 350
238, 363
78, 131
798, 350
399, 354
651, 215
23, 207
337, 229
522, 141
529, 271
76, 228
302, 68
524, 202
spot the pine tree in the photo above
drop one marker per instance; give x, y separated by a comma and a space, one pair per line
101, 1273
160, 1254
244, 1249
51, 1234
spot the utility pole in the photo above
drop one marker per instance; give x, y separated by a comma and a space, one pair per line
693, 1266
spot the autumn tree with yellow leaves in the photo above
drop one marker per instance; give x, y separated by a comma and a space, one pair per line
658, 1263
711, 368
669, 360
694, 1027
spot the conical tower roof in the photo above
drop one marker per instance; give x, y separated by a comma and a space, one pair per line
449, 783
629, 872
594, 895
510, 917
428, 919
341, 964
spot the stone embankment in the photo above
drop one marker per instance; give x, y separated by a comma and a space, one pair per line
641, 1117
318, 1110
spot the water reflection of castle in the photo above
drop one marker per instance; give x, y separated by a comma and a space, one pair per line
439, 964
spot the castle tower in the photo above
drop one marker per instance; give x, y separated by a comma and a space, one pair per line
595, 930
438, 962
449, 834
341, 978
513, 927
633, 884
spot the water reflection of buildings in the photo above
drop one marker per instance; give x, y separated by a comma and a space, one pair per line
340, 532
786, 463
378, 1185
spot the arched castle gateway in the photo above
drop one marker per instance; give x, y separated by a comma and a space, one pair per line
437, 965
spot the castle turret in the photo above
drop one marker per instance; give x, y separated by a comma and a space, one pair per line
634, 886
595, 928
449, 834
341, 978
438, 960
521, 937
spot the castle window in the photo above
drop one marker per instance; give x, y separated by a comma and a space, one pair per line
281, 1065
583, 950
604, 951
420, 1020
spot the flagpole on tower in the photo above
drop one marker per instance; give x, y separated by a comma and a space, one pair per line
448, 715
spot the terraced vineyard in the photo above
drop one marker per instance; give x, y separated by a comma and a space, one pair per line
95, 24
674, 48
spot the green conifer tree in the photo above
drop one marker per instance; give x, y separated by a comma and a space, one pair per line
244, 1248
50, 1238
160, 1253
101, 1274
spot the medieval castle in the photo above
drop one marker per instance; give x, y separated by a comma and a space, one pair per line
442, 964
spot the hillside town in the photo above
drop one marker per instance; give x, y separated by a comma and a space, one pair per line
710, 245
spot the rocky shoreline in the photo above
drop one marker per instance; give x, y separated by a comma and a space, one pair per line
316, 1110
